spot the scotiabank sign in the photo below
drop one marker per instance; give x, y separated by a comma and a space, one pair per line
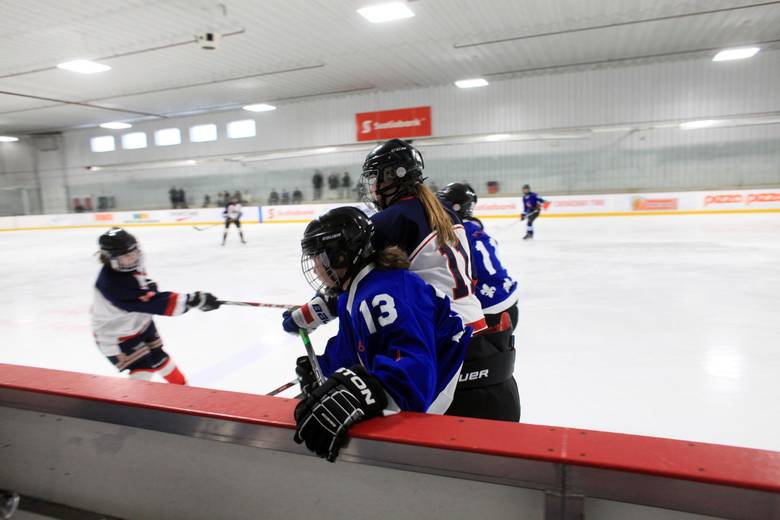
392, 124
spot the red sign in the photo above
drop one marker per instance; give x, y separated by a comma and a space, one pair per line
392, 124
643, 204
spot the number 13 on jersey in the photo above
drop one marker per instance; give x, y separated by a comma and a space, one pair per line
386, 305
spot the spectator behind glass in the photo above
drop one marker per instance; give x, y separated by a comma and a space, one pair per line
297, 196
333, 186
316, 183
273, 198
346, 184
285, 196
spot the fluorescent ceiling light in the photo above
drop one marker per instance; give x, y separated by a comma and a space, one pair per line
386, 12
740, 53
498, 137
8, 139
116, 125
610, 129
259, 107
704, 123
83, 66
471, 83
154, 165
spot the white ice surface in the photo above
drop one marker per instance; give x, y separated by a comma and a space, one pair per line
666, 326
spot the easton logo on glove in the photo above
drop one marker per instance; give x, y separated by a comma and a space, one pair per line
359, 384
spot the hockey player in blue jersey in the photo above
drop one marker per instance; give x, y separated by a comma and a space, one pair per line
532, 207
399, 345
497, 293
125, 301
411, 217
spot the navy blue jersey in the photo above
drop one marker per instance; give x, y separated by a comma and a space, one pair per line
447, 268
496, 290
531, 202
123, 306
405, 334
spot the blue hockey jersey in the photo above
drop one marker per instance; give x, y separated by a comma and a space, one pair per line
496, 290
530, 202
404, 333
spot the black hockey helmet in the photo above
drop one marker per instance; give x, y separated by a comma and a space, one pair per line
460, 196
339, 239
120, 249
390, 170
526, 187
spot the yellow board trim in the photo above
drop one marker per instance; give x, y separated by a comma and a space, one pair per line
517, 216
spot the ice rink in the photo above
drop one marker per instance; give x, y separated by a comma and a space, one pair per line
657, 325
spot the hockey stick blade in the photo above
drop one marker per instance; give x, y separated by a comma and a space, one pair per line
204, 228
284, 387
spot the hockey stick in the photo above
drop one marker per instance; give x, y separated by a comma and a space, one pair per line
256, 304
206, 227
315, 364
284, 387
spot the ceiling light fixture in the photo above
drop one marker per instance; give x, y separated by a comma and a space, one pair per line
471, 83
83, 66
498, 137
116, 125
381, 13
259, 107
740, 53
8, 139
704, 123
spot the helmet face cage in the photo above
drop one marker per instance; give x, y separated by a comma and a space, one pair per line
337, 241
319, 275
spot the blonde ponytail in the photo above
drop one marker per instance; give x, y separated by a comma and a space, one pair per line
438, 219
392, 257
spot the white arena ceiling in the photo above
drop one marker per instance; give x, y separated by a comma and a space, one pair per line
283, 50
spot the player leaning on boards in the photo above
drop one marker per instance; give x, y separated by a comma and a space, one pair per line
399, 345
125, 301
232, 215
497, 293
411, 217
532, 206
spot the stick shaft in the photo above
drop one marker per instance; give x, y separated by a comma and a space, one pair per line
315, 364
284, 387
256, 304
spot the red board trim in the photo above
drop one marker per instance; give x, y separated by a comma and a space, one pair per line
708, 463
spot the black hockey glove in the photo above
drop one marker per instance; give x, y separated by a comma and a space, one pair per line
348, 396
203, 301
305, 372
